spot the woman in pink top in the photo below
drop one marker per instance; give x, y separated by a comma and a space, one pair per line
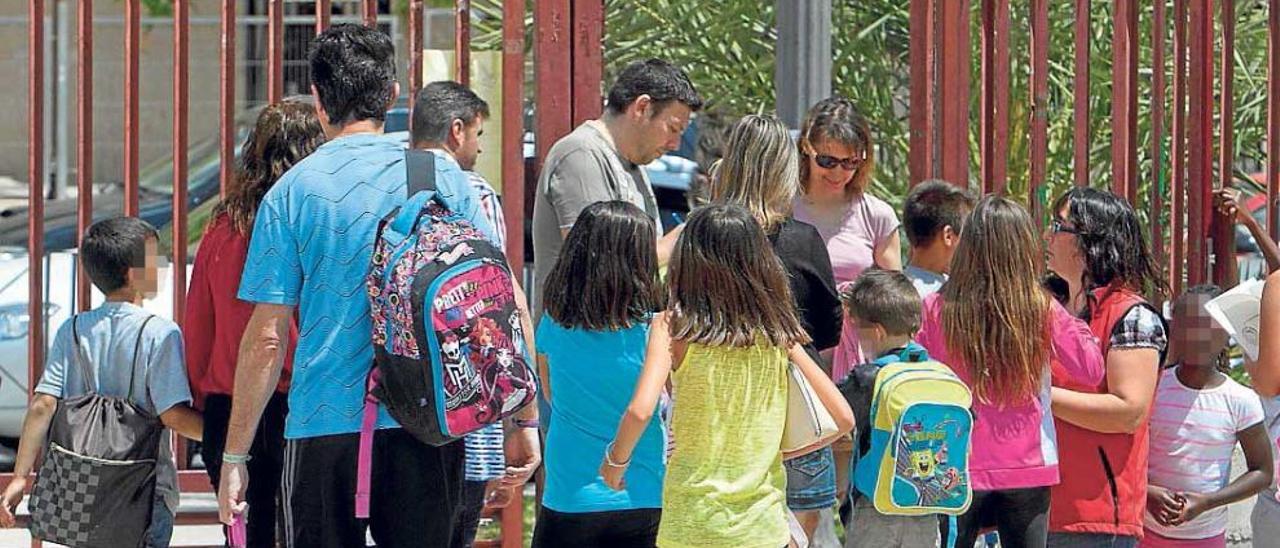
999, 330
860, 230
836, 163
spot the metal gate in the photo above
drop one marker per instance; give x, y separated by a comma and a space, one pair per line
1195, 236
567, 46
553, 45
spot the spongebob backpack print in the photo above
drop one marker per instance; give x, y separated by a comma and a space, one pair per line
918, 462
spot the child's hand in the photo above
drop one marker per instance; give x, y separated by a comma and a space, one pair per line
497, 495
1228, 202
1193, 504
1163, 504
9, 500
613, 476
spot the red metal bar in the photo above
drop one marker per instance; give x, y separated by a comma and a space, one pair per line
513, 188
1273, 119
132, 58
1155, 198
35, 193
922, 157
181, 65
323, 9
1177, 163
1124, 101
553, 74
227, 99
994, 122
462, 41
1039, 106
275, 50
369, 12
588, 59
84, 144
513, 131
415, 53
1224, 245
1080, 93
1200, 131
953, 91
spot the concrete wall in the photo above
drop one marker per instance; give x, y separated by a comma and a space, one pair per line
155, 91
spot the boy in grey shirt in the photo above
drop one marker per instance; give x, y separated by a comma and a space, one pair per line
121, 259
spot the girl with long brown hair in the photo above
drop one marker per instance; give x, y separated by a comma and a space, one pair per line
724, 341
998, 329
759, 173
284, 134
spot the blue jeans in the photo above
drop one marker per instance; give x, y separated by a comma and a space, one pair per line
811, 481
1091, 540
161, 528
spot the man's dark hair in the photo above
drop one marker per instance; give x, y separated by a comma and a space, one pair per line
931, 206
111, 247
354, 71
438, 105
885, 297
660, 80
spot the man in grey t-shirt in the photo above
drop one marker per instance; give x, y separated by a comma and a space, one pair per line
648, 109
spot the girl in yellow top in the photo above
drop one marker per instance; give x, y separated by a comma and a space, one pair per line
725, 340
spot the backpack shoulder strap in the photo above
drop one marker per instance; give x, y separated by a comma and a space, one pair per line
81, 358
420, 187
137, 351
420, 171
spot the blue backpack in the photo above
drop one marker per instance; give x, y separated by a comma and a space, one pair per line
918, 462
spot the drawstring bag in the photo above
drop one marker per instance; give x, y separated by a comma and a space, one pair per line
96, 486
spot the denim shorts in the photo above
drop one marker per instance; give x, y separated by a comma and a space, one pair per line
811, 481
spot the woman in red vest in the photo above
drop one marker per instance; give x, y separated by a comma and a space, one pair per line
1096, 244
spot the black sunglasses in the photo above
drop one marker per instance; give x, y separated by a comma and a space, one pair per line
825, 161
1059, 226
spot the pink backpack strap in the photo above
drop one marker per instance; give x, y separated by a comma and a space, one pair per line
364, 455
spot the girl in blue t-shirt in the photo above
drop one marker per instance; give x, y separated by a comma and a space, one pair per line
591, 345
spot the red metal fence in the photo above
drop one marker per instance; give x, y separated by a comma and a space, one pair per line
568, 48
1196, 236
513, 62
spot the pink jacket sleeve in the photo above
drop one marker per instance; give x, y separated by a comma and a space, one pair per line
1076, 355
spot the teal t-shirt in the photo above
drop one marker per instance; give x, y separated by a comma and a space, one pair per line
593, 375
312, 241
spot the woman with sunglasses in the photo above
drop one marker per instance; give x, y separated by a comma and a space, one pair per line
1096, 244
860, 231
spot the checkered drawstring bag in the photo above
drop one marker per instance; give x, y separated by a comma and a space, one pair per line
96, 485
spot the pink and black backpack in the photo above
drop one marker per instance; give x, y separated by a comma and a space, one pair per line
449, 349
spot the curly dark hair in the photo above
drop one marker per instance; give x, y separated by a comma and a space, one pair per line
285, 133
1112, 241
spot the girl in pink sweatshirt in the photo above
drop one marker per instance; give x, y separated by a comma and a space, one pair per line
994, 325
